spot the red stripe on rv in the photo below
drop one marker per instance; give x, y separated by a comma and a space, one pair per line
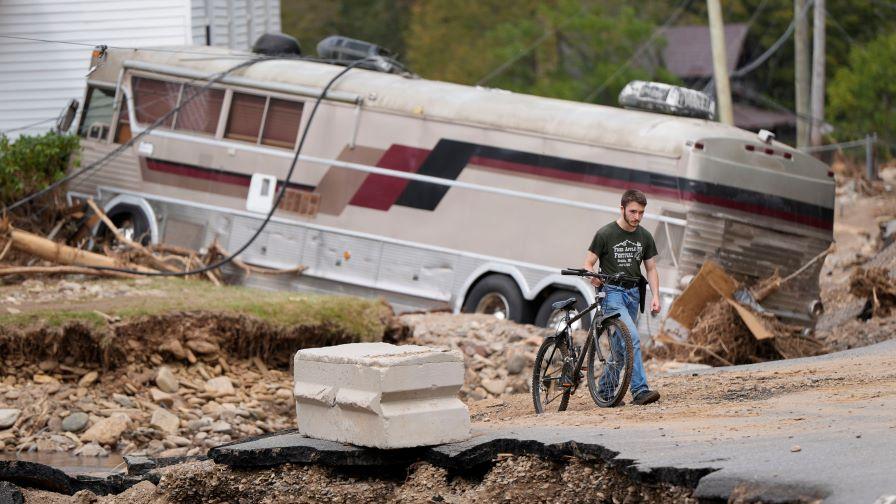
573, 177
380, 192
189, 171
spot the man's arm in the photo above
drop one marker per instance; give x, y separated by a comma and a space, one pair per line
590, 261
653, 279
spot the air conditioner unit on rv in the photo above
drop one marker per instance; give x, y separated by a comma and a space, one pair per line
667, 99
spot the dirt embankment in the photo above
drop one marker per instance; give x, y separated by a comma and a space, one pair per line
163, 369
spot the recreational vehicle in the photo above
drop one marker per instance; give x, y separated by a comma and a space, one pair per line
437, 195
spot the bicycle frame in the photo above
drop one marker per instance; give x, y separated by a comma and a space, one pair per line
592, 334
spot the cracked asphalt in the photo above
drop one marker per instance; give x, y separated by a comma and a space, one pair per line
802, 429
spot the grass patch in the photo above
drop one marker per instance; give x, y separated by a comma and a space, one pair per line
363, 319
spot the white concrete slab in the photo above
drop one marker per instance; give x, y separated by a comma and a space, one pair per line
381, 395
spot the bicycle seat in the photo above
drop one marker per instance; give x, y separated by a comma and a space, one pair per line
562, 305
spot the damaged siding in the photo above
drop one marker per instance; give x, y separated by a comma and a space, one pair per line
751, 252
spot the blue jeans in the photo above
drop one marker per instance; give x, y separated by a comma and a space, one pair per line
625, 302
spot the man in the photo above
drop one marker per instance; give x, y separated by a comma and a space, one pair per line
621, 246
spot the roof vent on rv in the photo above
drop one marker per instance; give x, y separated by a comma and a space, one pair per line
277, 44
667, 99
342, 50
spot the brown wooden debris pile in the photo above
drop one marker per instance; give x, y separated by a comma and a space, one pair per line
716, 329
62, 251
877, 286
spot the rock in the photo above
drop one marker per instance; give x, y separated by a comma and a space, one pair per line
220, 386
284, 393
166, 380
495, 387
84, 497
198, 425
76, 422
795, 448
165, 421
88, 379
203, 346
91, 450
8, 417
174, 348
159, 397
124, 400
48, 365
517, 363
13, 311
221, 427
178, 441
42, 379
172, 452
108, 430
9, 493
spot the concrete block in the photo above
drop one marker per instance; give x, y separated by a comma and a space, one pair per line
381, 395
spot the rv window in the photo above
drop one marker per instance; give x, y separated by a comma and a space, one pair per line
154, 98
123, 129
244, 119
97, 116
202, 112
281, 123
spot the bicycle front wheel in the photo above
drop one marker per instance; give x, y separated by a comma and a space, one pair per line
610, 358
547, 390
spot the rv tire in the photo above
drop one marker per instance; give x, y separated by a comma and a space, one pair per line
498, 295
130, 220
546, 312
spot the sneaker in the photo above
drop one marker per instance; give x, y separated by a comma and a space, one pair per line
646, 397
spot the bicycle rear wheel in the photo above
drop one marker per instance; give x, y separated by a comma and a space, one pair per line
610, 358
547, 392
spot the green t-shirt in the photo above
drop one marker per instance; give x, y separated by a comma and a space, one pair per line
621, 251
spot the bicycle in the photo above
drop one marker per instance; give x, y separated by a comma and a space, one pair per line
558, 364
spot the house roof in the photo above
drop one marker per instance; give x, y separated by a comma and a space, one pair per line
688, 52
753, 118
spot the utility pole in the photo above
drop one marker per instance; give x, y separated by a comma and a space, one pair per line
720, 62
818, 56
801, 61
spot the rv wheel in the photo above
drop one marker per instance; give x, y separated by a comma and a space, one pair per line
130, 220
497, 295
547, 316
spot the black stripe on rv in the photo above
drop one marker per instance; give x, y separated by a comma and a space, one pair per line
449, 157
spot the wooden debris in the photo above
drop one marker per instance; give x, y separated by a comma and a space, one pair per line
719, 330
127, 254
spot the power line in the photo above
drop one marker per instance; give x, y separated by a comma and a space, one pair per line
87, 44
133, 139
672, 18
19, 128
274, 206
749, 67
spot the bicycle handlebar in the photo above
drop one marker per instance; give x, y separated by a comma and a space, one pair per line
603, 276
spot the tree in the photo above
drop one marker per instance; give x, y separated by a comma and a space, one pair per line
563, 48
862, 93
381, 22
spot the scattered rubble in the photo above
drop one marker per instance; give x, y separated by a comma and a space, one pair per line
498, 354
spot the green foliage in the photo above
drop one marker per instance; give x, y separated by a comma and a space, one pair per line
564, 49
381, 22
863, 92
31, 163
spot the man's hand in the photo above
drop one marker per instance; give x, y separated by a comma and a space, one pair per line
655, 306
590, 262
